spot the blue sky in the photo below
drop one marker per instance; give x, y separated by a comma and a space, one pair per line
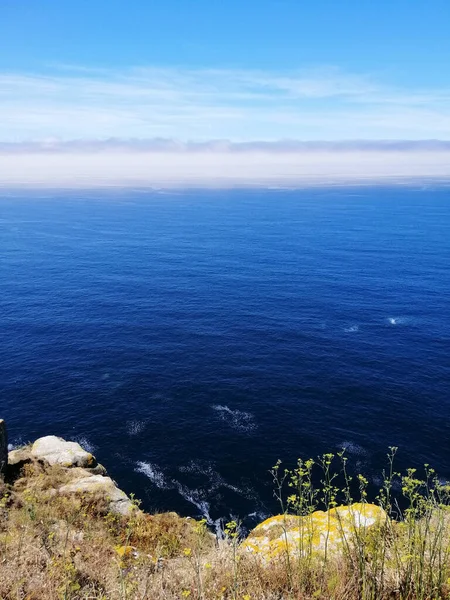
404, 41
209, 69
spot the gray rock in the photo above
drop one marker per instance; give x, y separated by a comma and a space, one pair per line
104, 486
57, 451
65, 533
20, 457
3, 448
97, 470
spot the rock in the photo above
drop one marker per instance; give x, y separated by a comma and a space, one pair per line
97, 470
80, 467
64, 533
3, 448
17, 459
98, 484
310, 535
57, 451
20, 457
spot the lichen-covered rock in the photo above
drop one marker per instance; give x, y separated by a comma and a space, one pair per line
3, 448
97, 470
19, 457
85, 475
57, 451
98, 484
314, 534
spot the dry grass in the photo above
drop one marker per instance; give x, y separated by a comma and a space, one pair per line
57, 547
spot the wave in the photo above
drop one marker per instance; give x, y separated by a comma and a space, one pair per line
135, 427
237, 419
258, 515
195, 497
198, 497
15, 444
197, 467
154, 474
396, 320
214, 479
86, 444
353, 449
352, 329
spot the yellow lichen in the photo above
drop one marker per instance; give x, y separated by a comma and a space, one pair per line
313, 534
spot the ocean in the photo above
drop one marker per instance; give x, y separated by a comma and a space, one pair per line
190, 339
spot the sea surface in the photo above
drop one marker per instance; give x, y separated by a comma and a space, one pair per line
190, 339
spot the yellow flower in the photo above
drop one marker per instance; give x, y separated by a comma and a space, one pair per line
187, 552
246, 597
185, 593
124, 551
208, 566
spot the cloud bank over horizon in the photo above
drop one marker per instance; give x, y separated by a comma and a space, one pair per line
165, 163
170, 145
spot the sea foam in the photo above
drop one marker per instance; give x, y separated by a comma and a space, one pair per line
237, 419
135, 427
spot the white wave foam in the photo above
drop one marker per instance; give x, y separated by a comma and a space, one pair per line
86, 444
237, 419
135, 427
258, 515
194, 497
353, 448
396, 320
197, 467
352, 329
154, 474
17, 443
215, 480
197, 497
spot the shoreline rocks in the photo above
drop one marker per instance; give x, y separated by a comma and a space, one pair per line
57, 451
87, 483
86, 475
313, 535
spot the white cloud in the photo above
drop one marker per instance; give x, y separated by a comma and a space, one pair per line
205, 103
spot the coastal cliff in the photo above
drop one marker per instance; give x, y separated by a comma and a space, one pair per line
68, 531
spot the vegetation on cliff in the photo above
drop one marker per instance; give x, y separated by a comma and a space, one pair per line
71, 544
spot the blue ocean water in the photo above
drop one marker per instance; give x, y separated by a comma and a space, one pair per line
192, 339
